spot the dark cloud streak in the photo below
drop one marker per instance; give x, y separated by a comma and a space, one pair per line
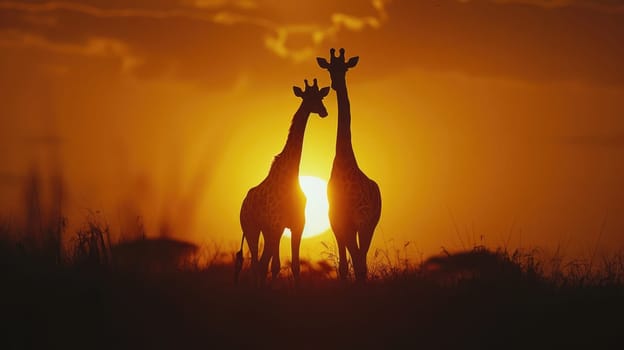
525, 40
517, 41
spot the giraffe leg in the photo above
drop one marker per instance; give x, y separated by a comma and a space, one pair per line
354, 251
364, 237
275, 263
263, 262
252, 236
271, 242
343, 268
263, 266
346, 241
295, 243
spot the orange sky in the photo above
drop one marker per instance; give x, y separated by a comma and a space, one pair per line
496, 118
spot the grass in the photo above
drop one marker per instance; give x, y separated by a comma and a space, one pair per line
178, 296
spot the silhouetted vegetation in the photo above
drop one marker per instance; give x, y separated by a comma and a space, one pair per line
98, 292
163, 293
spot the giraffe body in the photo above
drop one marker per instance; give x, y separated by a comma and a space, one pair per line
354, 199
278, 201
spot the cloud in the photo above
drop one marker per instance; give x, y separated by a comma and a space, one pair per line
328, 26
243, 4
45, 7
492, 39
354, 23
93, 47
613, 6
278, 42
190, 39
149, 42
216, 41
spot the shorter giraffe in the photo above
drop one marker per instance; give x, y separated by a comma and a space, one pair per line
278, 201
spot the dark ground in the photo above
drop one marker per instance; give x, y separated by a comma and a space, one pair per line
72, 307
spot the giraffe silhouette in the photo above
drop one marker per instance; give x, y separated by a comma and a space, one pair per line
354, 199
278, 201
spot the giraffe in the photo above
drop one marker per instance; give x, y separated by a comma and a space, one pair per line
278, 201
354, 199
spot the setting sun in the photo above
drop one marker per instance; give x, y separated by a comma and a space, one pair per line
317, 221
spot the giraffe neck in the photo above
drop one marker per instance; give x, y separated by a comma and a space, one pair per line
344, 148
290, 158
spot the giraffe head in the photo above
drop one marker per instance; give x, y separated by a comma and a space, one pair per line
337, 67
313, 98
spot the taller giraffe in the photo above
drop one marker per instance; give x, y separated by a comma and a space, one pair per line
354, 199
278, 201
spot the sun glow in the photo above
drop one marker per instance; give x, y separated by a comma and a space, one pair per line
317, 206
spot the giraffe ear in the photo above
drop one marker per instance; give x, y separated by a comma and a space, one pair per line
324, 91
322, 62
297, 91
353, 61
